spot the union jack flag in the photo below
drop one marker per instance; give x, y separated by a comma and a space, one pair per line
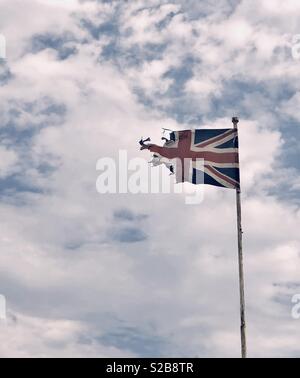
217, 150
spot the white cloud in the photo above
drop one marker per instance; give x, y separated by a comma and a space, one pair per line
8, 162
42, 338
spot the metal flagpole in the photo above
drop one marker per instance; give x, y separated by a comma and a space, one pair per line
235, 122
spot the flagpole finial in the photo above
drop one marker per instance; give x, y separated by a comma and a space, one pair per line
235, 120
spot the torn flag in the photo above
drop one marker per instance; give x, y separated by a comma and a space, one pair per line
204, 156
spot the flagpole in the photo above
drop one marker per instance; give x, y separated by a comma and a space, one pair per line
235, 122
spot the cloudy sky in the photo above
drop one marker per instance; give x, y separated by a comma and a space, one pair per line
90, 275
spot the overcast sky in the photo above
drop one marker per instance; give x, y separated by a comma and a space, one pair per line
90, 275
